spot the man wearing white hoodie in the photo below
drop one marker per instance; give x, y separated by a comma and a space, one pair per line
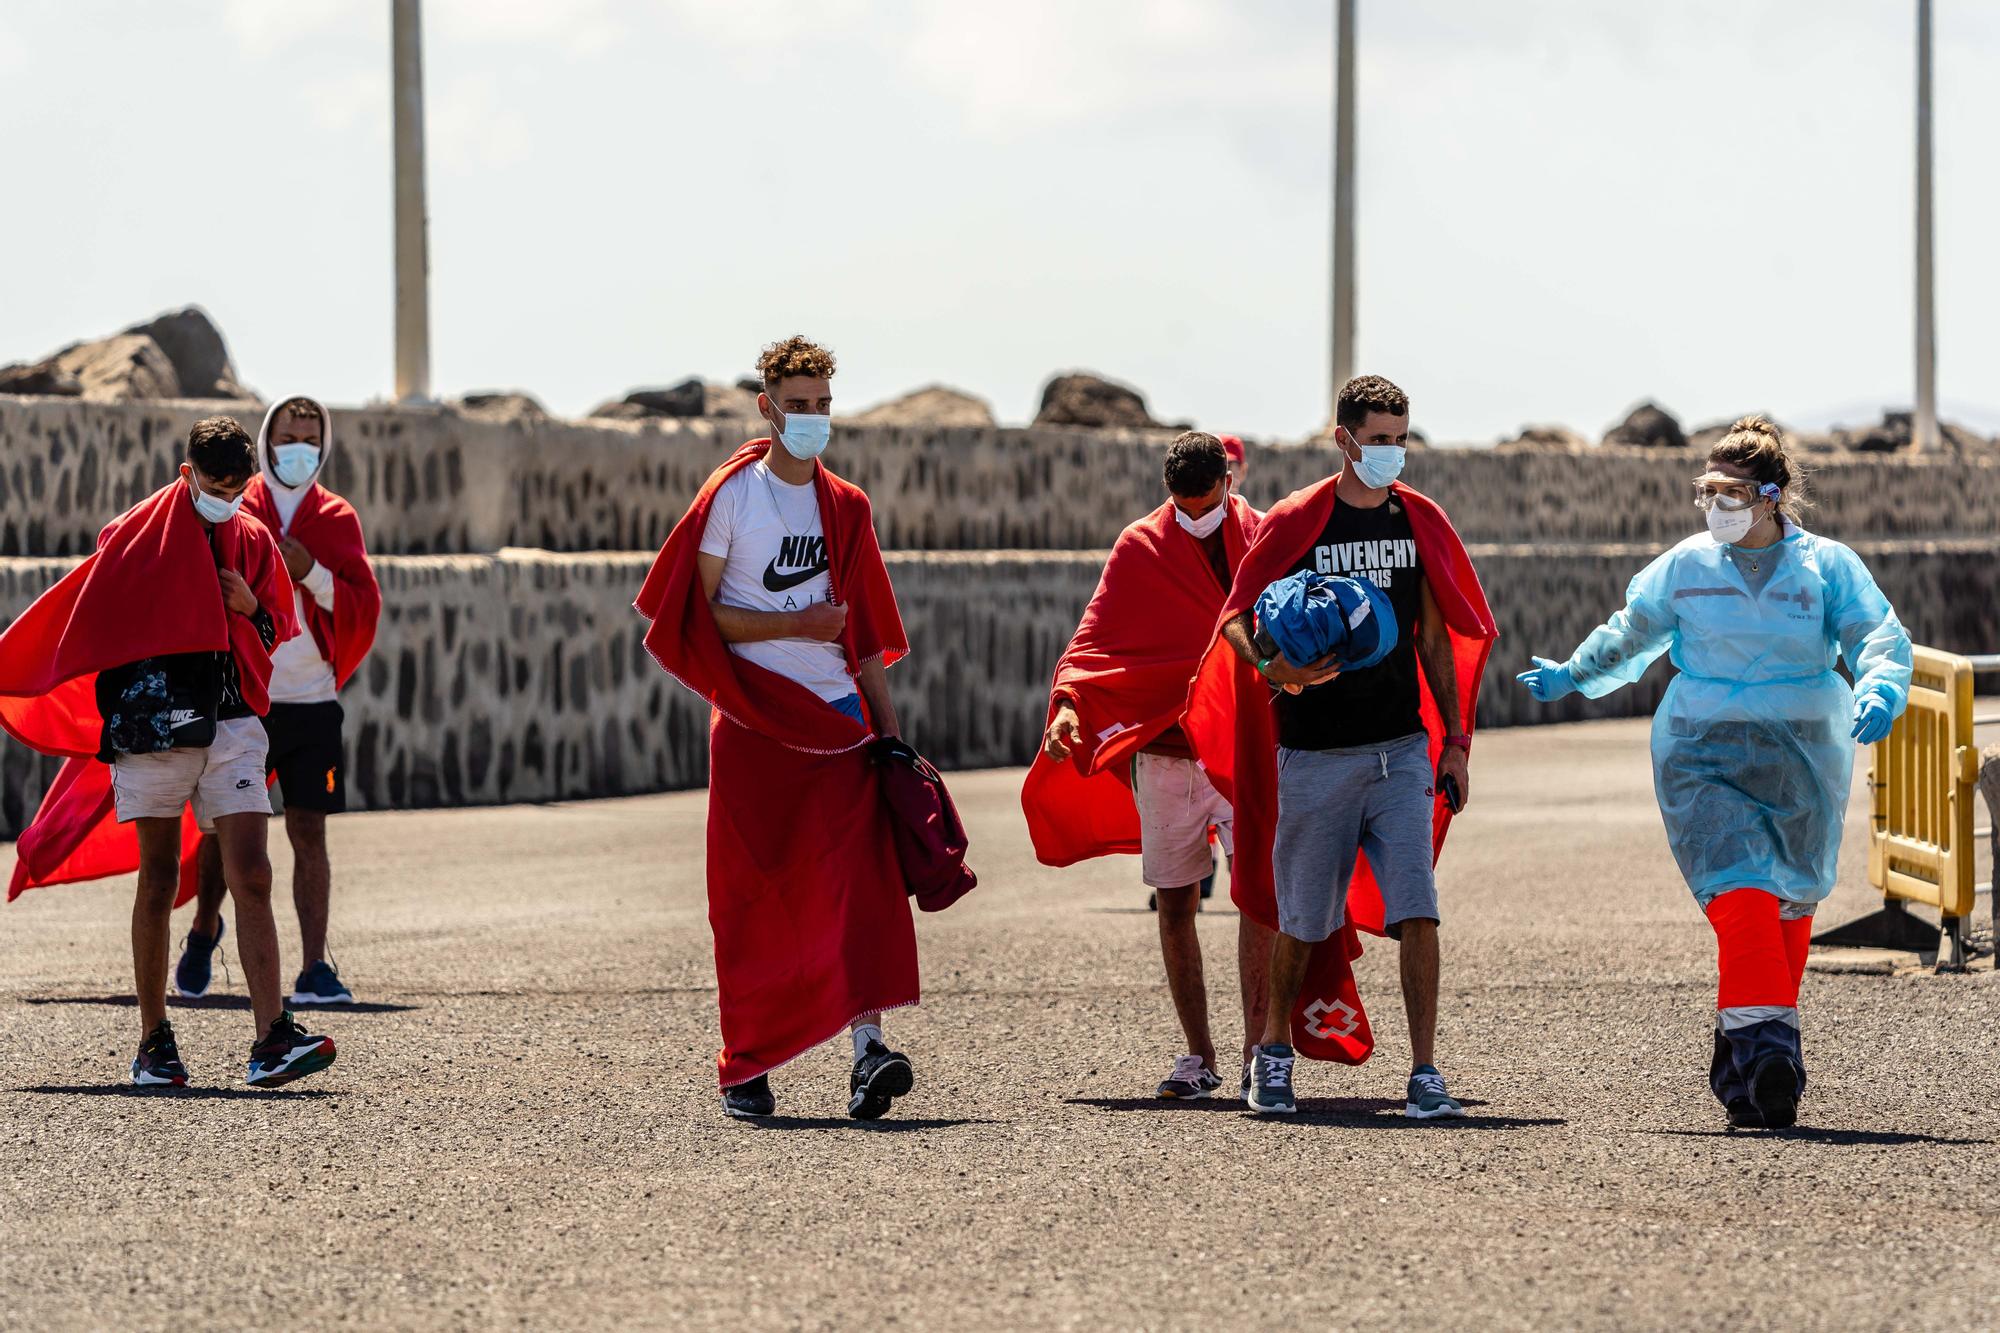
338, 603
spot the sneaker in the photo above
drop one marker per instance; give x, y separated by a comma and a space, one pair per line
1427, 1099
1246, 1080
287, 1052
158, 1064
1774, 1090
1743, 1114
196, 969
1192, 1078
880, 1076
748, 1101
320, 984
1271, 1081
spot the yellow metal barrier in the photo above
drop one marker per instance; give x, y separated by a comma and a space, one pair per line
1922, 781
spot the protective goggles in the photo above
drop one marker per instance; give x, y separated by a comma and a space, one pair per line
1709, 493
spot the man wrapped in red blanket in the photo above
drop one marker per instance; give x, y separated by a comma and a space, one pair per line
1115, 773
338, 604
1345, 782
772, 602
147, 667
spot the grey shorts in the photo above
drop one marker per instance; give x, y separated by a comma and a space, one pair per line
1335, 803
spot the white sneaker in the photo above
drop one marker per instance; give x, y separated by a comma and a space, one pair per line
1192, 1078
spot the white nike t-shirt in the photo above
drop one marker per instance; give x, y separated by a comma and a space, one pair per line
773, 547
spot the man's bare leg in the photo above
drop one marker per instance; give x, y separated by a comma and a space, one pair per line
1289, 961
246, 867
312, 879
1253, 969
210, 888
152, 912
1180, 947
1420, 989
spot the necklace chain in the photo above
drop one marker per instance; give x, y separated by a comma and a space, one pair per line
783, 520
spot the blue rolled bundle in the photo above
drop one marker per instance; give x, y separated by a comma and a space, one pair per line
1309, 615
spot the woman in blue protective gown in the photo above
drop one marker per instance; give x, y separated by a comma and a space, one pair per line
1753, 746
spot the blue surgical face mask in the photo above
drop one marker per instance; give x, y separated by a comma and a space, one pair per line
1379, 465
213, 507
294, 464
805, 435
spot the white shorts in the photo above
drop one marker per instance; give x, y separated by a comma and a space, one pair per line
226, 778
1177, 807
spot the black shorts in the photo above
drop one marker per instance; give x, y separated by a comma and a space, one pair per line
305, 754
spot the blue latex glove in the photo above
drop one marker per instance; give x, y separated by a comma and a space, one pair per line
1872, 719
1547, 681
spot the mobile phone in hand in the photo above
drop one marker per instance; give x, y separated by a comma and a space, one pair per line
1453, 797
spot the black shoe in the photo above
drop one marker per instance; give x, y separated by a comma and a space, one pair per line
158, 1064
320, 984
880, 1076
287, 1052
1774, 1088
1743, 1114
748, 1101
196, 968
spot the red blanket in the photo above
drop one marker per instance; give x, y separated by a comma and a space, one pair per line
150, 589
1229, 723
328, 527
805, 895
1127, 671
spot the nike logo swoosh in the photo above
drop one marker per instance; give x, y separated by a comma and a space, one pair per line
776, 582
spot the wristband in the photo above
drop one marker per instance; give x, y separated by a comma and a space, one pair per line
1462, 742
1263, 667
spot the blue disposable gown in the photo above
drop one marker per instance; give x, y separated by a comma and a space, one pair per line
1752, 748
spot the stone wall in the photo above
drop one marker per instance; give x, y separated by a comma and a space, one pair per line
521, 676
432, 481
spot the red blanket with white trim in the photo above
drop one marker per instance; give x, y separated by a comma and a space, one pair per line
1126, 671
805, 894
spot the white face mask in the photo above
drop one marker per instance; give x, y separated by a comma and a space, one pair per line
1731, 525
294, 464
1208, 524
213, 507
805, 435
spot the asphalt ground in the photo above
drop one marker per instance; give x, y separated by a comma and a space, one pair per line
522, 1127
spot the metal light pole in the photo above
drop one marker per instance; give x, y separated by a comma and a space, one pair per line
413, 317
1343, 203
1924, 434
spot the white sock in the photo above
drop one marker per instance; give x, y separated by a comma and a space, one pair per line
863, 1034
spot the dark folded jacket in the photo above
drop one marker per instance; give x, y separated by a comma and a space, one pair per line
930, 837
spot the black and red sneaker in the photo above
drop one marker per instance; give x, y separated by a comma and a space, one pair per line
287, 1052
158, 1064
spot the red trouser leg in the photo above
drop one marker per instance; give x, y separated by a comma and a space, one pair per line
1761, 960
1754, 951
1798, 939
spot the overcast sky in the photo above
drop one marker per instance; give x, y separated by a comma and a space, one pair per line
1566, 205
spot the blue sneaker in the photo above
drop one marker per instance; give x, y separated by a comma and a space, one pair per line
1271, 1081
320, 984
1427, 1099
196, 969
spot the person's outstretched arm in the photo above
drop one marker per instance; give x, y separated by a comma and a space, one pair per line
1618, 651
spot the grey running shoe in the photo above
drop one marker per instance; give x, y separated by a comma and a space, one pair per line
1192, 1078
1271, 1081
1427, 1099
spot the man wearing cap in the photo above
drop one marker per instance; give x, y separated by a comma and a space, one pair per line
1364, 767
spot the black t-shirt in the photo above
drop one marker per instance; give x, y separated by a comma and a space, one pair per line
1378, 703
